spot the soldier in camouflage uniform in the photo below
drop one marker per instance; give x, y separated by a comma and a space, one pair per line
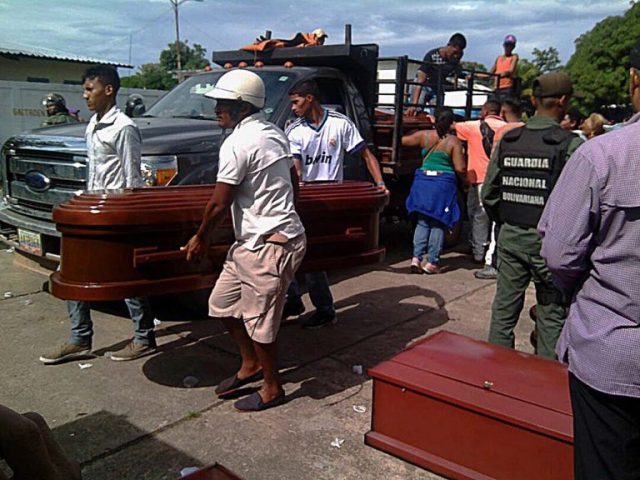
57, 112
522, 172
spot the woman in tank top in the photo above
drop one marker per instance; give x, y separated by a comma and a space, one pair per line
434, 193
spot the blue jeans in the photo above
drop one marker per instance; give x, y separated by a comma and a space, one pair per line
139, 311
480, 223
428, 237
319, 292
427, 94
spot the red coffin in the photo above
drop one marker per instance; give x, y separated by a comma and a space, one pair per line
214, 472
471, 410
127, 243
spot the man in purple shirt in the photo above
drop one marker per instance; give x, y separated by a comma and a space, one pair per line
591, 243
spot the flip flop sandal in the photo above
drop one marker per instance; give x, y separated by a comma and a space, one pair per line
254, 403
232, 384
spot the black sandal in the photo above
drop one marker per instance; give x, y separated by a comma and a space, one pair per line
254, 403
232, 384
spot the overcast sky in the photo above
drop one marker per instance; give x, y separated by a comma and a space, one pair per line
136, 31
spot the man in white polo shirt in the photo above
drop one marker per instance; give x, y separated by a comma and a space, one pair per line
319, 139
256, 179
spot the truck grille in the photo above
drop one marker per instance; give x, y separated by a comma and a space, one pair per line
66, 174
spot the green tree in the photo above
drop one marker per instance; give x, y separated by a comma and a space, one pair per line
478, 67
150, 75
191, 58
527, 71
160, 75
546, 60
600, 65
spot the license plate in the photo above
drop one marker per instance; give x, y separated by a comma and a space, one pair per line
30, 242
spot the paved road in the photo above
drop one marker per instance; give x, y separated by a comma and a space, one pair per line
137, 420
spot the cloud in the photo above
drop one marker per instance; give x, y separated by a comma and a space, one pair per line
114, 29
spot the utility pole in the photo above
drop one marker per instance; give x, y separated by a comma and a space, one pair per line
176, 4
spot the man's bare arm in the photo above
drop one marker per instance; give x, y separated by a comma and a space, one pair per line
374, 168
214, 213
415, 139
295, 182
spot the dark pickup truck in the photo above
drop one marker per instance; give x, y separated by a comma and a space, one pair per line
181, 137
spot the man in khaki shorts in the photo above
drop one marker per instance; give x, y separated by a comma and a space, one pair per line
256, 178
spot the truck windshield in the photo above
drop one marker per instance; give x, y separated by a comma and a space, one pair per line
187, 100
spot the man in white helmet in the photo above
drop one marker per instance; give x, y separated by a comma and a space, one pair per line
256, 178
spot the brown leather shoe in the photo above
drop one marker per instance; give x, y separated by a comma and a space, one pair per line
132, 351
66, 353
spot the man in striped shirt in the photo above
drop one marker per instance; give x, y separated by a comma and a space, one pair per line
591, 235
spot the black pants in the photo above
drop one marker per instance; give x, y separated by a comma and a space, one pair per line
606, 431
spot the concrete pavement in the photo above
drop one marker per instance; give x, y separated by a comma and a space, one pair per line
137, 420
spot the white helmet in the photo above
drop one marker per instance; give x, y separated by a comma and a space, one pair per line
240, 85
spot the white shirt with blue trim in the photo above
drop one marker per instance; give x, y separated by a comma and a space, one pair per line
321, 149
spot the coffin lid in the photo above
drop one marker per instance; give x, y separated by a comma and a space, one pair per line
473, 363
163, 205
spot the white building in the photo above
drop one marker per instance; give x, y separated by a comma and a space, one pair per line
27, 75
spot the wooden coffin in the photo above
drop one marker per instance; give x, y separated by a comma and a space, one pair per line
127, 243
467, 409
214, 472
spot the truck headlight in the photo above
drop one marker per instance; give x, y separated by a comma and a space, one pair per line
158, 170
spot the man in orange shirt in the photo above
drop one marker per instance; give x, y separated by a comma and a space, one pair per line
511, 112
479, 136
505, 68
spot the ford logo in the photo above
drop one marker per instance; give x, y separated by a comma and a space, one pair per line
37, 181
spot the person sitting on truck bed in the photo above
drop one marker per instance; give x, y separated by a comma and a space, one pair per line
319, 139
57, 112
113, 160
437, 65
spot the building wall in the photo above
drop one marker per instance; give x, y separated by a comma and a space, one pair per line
21, 103
24, 69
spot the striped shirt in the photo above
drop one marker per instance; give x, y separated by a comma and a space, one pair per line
114, 148
321, 149
591, 230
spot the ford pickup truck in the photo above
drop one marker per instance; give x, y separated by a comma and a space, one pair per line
45, 167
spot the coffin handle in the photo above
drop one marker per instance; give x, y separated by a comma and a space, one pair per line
353, 234
146, 255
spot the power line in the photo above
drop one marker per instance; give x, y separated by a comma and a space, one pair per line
215, 41
128, 38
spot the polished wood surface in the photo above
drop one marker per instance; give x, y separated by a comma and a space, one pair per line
214, 472
410, 157
471, 410
126, 243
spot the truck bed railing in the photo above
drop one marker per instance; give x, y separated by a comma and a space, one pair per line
390, 123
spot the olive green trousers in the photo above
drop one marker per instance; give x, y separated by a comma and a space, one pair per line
515, 270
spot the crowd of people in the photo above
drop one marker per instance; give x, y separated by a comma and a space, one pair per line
542, 207
559, 200
503, 111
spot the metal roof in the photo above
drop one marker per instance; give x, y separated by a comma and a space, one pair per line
47, 53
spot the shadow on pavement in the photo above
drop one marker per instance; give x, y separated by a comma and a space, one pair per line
162, 461
372, 327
